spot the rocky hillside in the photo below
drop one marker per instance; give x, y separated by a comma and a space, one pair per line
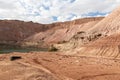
107, 46
29, 33
78, 36
62, 33
109, 25
97, 38
13, 32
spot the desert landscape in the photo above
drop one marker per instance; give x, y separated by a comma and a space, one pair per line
81, 49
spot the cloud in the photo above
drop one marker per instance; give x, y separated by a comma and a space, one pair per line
48, 11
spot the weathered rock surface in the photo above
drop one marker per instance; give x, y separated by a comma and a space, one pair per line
42, 35
108, 46
63, 33
12, 32
109, 25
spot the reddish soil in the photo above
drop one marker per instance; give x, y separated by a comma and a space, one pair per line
53, 66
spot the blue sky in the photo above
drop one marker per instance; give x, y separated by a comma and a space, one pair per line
48, 11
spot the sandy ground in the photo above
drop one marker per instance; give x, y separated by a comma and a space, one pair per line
53, 66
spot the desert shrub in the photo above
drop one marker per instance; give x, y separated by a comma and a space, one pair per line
52, 49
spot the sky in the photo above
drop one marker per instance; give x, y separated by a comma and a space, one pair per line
49, 11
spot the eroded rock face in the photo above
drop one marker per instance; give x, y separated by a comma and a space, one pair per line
63, 32
104, 47
109, 25
78, 36
29, 34
78, 40
12, 32
107, 46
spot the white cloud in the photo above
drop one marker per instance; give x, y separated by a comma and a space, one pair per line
44, 11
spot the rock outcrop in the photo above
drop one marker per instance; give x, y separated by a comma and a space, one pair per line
107, 46
109, 25
62, 33
12, 32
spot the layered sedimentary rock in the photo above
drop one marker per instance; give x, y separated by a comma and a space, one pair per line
109, 25
12, 32
107, 46
62, 33
96, 35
